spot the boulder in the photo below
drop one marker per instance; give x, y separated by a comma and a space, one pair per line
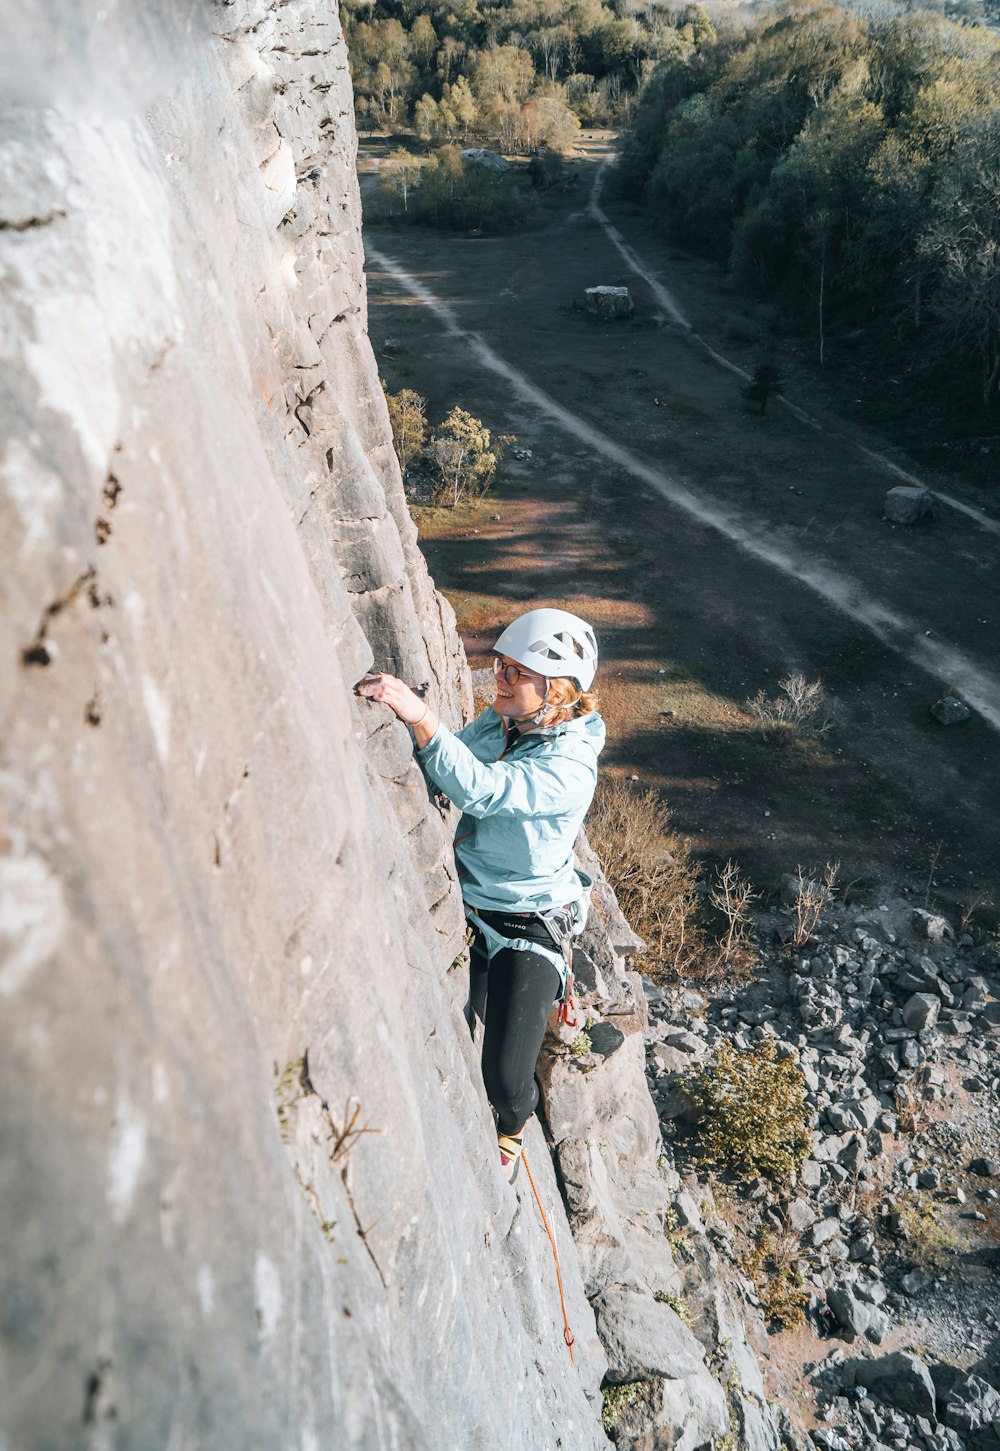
488, 160
921, 1011
970, 1404
642, 1338
905, 504
609, 303
915, 1281
900, 1379
801, 1215
949, 710
646, 1341
822, 1233
852, 1315
933, 927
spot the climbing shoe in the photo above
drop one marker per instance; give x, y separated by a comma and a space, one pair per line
510, 1155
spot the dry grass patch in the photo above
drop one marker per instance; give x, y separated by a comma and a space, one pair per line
655, 878
931, 1243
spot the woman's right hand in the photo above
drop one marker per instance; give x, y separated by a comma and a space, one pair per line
403, 701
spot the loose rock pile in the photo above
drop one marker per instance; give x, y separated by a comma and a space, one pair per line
892, 1015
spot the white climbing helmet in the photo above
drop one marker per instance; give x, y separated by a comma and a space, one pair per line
552, 642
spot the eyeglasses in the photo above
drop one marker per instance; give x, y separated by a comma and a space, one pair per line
513, 673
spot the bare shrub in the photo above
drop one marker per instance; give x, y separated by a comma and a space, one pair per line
909, 1108
771, 1266
810, 900
650, 867
344, 1136
732, 897
802, 706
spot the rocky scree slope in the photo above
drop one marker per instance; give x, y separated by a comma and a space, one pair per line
891, 1229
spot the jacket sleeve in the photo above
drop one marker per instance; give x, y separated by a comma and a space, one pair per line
530, 787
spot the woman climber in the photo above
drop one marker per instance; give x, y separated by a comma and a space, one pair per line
523, 775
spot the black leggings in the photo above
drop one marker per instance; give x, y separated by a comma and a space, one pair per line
512, 996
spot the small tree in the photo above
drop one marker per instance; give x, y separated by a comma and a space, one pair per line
427, 119
409, 424
466, 456
551, 123
398, 177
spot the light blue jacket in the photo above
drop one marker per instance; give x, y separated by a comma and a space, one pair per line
521, 811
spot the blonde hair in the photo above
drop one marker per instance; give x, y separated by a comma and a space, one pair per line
565, 693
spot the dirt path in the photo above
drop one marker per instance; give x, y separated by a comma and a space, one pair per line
893, 629
673, 311
716, 551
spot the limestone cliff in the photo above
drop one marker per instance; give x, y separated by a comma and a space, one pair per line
210, 868
249, 1190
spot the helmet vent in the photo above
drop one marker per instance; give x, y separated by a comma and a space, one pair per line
541, 648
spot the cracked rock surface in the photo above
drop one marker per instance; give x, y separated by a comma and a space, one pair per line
249, 1178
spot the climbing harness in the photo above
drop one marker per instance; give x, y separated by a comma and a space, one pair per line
567, 1332
495, 943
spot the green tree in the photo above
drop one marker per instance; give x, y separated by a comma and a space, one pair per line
408, 419
399, 176
466, 456
963, 243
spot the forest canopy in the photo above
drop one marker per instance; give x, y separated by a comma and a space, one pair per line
519, 75
845, 167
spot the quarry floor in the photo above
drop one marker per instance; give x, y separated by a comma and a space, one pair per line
695, 619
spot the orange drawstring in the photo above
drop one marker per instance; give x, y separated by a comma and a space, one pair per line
567, 1332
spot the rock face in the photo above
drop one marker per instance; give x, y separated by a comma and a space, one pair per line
250, 1196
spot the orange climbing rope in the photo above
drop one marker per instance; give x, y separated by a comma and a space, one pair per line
567, 1332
